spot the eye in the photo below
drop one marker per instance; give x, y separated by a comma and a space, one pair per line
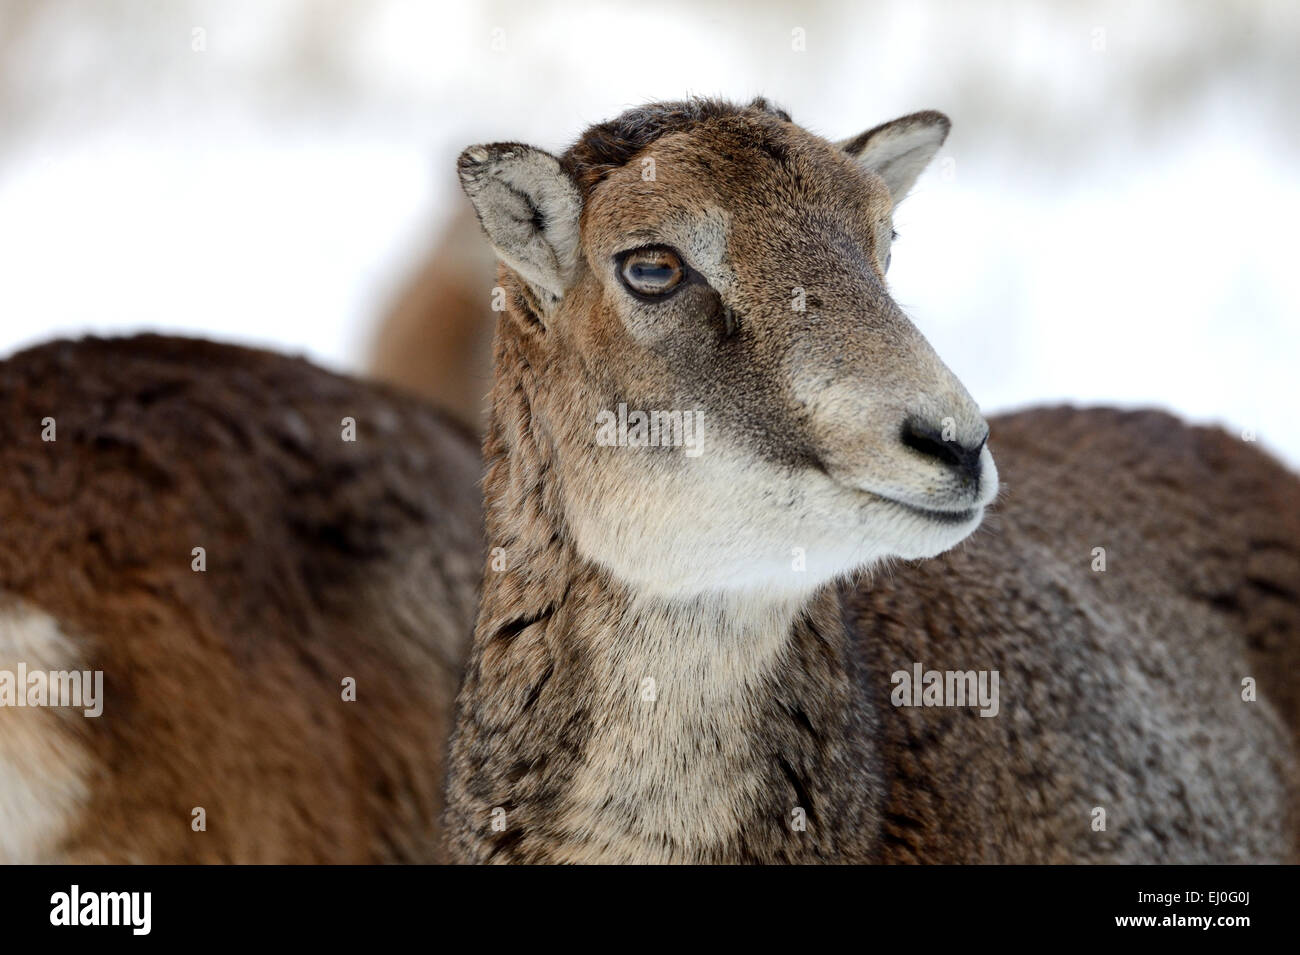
889, 256
651, 273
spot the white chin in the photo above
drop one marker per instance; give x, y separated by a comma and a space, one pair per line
919, 536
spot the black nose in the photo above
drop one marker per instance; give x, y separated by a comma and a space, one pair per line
965, 458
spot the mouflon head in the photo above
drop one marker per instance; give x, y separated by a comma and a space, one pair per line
698, 311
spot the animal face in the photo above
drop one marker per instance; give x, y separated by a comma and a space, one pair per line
732, 398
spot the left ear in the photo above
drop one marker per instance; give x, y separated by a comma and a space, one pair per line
897, 151
529, 208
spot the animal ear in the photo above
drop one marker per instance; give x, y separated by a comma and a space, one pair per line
897, 151
529, 208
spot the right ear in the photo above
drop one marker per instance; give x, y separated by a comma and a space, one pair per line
529, 208
897, 151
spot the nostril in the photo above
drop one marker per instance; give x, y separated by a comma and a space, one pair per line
926, 440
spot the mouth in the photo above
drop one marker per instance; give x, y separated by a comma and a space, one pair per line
939, 517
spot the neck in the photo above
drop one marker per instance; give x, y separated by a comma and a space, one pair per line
598, 724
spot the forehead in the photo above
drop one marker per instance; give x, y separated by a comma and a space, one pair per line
739, 173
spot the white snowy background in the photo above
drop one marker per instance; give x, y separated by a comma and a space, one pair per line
1115, 220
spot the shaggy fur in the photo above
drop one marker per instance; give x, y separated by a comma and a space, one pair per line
1120, 689
325, 559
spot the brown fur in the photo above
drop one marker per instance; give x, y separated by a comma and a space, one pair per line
325, 560
1120, 689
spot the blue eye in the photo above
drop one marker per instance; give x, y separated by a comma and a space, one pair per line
652, 272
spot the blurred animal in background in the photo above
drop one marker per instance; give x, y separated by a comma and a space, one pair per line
435, 340
271, 567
